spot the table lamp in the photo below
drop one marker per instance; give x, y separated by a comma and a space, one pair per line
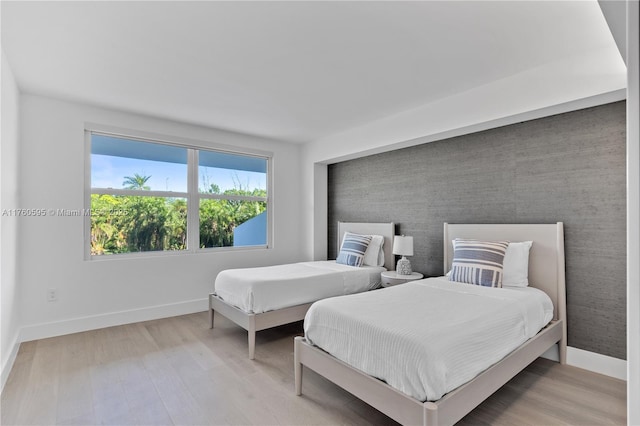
403, 246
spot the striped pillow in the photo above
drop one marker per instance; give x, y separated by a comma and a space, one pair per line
478, 262
353, 248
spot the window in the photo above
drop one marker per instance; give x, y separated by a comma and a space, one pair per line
233, 199
150, 196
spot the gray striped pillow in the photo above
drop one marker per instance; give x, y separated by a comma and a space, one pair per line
353, 248
478, 262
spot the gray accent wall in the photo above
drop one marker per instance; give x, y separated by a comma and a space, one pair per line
568, 168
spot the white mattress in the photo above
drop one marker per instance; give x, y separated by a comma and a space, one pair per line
426, 338
275, 287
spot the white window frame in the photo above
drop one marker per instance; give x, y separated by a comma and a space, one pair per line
193, 195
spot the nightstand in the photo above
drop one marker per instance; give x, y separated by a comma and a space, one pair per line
391, 278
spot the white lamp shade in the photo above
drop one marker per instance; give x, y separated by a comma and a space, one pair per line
403, 245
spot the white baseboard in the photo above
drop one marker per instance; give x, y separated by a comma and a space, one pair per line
603, 364
94, 322
591, 361
8, 365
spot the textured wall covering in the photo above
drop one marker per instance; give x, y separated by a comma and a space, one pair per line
568, 167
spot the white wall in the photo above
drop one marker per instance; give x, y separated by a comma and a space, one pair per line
9, 198
95, 294
633, 213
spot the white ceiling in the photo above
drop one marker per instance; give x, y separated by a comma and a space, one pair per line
295, 71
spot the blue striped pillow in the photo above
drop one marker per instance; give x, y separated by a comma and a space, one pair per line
353, 248
478, 262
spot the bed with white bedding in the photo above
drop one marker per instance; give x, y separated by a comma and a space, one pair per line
268, 288
389, 334
265, 297
429, 351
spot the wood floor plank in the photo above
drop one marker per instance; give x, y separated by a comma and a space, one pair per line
74, 392
42, 385
18, 382
178, 371
109, 370
175, 395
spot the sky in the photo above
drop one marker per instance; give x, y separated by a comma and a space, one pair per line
110, 171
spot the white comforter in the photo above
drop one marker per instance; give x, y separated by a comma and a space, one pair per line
274, 287
426, 338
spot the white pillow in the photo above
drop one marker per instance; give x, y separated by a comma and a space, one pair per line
516, 265
381, 259
374, 256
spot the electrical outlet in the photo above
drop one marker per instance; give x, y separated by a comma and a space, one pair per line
52, 295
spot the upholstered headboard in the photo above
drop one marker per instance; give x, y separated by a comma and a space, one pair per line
387, 230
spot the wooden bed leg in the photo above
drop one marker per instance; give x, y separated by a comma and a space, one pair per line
252, 344
562, 351
252, 337
210, 311
297, 366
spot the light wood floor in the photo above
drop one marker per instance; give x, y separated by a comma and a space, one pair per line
177, 371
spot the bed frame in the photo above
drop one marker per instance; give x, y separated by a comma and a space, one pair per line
256, 322
546, 272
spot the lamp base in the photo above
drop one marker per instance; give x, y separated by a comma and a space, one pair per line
403, 267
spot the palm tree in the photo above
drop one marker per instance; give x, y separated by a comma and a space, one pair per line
136, 182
